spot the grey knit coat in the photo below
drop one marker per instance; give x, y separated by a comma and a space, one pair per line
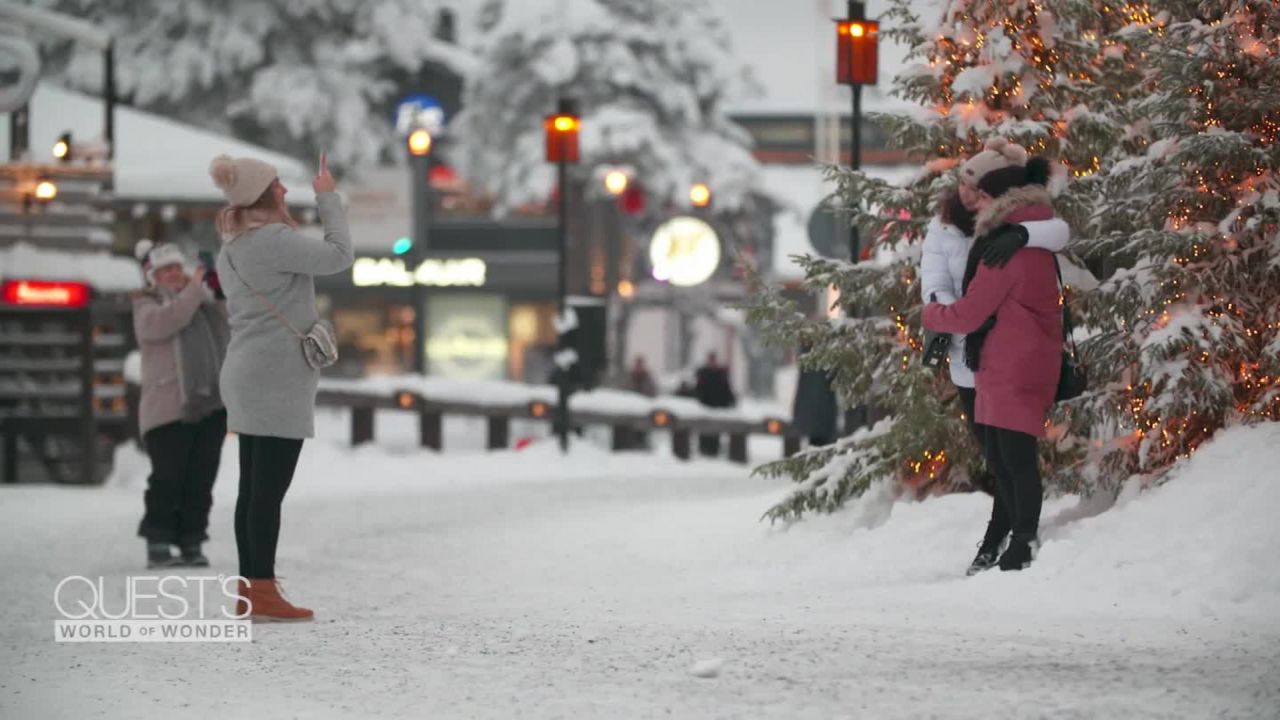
267, 386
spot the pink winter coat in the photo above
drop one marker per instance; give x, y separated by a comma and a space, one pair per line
1022, 356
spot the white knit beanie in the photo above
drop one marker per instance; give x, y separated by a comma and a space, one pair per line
153, 257
998, 153
242, 180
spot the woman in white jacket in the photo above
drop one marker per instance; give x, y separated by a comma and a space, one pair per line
946, 251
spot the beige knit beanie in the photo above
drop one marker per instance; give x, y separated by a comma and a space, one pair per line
242, 180
998, 153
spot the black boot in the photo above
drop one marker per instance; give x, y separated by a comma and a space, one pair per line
1020, 553
984, 560
193, 556
159, 556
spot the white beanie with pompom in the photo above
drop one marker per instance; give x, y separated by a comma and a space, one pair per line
242, 180
998, 153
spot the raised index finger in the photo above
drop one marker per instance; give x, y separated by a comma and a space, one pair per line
324, 162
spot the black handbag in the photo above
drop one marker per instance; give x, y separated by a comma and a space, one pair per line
1074, 379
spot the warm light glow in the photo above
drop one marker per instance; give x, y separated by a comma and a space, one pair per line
626, 289
405, 400
616, 182
661, 418
420, 142
774, 427
857, 30
538, 409
60, 149
565, 123
700, 195
46, 191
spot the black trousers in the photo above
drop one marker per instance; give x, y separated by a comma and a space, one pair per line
1001, 522
266, 471
184, 465
1015, 459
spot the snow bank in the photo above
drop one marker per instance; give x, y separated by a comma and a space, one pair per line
102, 270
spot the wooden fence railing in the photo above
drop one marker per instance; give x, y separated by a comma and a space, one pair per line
626, 427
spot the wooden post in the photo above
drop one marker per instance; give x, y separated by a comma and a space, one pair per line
790, 445
738, 447
681, 443
499, 432
430, 426
361, 425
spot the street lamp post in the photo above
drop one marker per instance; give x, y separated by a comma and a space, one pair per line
419, 144
856, 65
562, 148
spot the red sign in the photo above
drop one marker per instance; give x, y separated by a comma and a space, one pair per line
47, 293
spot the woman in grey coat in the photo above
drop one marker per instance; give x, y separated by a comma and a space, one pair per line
267, 269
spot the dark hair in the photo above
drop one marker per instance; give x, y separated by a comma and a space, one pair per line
952, 210
999, 182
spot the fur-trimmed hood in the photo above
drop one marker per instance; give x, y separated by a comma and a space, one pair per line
1009, 203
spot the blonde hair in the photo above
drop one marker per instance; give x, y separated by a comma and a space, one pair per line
235, 220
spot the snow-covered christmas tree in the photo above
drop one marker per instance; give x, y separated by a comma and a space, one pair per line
1186, 334
1049, 76
650, 77
299, 76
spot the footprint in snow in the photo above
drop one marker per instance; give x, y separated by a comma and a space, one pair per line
707, 668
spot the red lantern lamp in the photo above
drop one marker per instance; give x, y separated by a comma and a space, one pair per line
562, 134
856, 51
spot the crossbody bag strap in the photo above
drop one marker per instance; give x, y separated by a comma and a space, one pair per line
270, 305
1068, 333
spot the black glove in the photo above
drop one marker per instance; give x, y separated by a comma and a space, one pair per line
1002, 246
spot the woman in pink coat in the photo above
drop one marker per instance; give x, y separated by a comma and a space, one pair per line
1013, 317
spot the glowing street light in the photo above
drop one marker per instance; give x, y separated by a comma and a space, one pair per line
46, 191
616, 182
700, 195
62, 148
420, 142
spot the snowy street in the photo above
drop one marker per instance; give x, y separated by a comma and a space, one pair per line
524, 585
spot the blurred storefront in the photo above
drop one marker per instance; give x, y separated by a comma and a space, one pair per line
490, 295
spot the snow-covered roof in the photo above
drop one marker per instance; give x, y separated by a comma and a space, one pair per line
101, 269
156, 158
789, 48
800, 189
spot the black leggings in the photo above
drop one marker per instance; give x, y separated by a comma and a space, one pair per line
184, 464
266, 470
1015, 459
1000, 523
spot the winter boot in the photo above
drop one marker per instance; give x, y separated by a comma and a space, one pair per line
1020, 553
159, 556
986, 559
193, 556
268, 605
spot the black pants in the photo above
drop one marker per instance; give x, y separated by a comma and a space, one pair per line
184, 465
1015, 459
709, 444
266, 470
1001, 522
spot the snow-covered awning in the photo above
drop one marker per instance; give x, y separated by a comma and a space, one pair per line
156, 159
102, 270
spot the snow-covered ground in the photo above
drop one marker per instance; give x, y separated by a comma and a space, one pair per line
526, 585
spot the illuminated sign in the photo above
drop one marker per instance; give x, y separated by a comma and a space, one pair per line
467, 336
39, 292
461, 272
684, 251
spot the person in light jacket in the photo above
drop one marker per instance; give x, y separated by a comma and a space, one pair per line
947, 246
267, 269
1018, 358
182, 336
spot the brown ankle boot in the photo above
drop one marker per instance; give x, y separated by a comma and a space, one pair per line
268, 605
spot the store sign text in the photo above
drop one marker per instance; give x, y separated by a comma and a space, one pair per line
433, 272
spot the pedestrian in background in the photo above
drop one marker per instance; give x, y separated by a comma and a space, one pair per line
268, 269
713, 389
182, 334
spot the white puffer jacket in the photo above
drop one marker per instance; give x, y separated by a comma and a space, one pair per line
946, 251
